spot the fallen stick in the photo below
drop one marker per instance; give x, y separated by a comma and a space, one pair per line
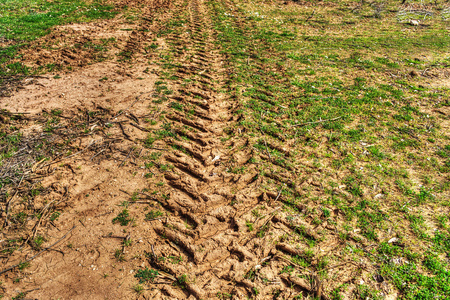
137, 99
155, 219
139, 127
10, 201
123, 191
312, 15
8, 113
338, 265
149, 197
265, 143
39, 253
121, 112
43, 213
123, 161
293, 263
268, 220
140, 202
115, 237
321, 121
133, 117
98, 153
36, 226
279, 193
67, 157
124, 133
267, 149
29, 291
153, 251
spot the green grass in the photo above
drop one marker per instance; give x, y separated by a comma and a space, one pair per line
22, 21
123, 218
153, 214
370, 138
144, 275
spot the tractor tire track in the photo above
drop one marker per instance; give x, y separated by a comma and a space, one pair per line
223, 228
210, 203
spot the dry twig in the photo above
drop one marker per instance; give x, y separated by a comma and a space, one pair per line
321, 121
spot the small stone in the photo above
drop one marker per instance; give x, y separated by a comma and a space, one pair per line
392, 240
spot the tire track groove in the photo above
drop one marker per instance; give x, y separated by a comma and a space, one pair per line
211, 193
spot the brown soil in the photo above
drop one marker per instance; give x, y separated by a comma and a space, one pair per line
203, 245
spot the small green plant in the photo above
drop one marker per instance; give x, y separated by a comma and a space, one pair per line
249, 225
55, 215
176, 106
326, 212
138, 288
119, 255
146, 275
175, 259
256, 213
56, 112
123, 218
153, 214
155, 155
20, 217
165, 168
148, 142
251, 275
262, 230
23, 265
287, 269
181, 281
222, 296
38, 241
366, 292
20, 295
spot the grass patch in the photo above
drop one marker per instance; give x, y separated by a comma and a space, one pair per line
371, 140
22, 21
